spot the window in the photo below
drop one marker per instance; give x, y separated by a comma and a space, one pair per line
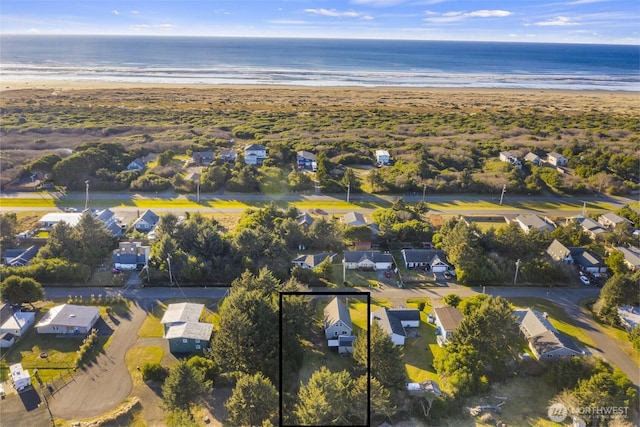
197, 341
184, 340
335, 334
197, 347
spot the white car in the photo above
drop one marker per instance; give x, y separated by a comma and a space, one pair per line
585, 280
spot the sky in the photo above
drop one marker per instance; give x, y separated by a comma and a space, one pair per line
566, 21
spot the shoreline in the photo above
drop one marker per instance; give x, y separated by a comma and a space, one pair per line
64, 86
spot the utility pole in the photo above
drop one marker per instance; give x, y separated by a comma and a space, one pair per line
169, 264
504, 189
584, 208
515, 278
348, 190
86, 197
424, 191
198, 191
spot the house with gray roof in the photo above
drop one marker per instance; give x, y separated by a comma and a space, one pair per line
612, 220
581, 257
532, 221
255, 154
545, 341
136, 165
131, 255
68, 319
305, 220
202, 158
395, 321
353, 219
183, 328
447, 320
429, 259
17, 322
19, 257
367, 260
631, 256
533, 158
305, 159
311, 261
589, 226
147, 221
559, 252
336, 321
557, 159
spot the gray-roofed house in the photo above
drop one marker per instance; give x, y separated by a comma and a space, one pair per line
255, 154
545, 341
631, 257
19, 257
48, 221
533, 158
532, 221
202, 158
68, 319
228, 156
447, 320
17, 322
109, 220
305, 220
305, 159
557, 159
353, 219
420, 389
147, 221
585, 260
367, 260
311, 261
7, 339
131, 255
183, 329
336, 321
612, 220
589, 226
559, 252
394, 321
430, 259
136, 165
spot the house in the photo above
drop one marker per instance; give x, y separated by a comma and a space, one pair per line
394, 321
202, 158
183, 329
506, 156
131, 255
192, 177
447, 320
345, 344
336, 321
611, 220
255, 154
353, 219
383, 157
7, 339
367, 260
533, 158
147, 221
18, 323
545, 341
305, 220
19, 257
631, 257
530, 222
136, 165
589, 226
305, 159
68, 319
585, 260
557, 159
228, 156
48, 221
109, 220
311, 261
429, 259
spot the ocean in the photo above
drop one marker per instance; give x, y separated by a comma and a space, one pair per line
319, 62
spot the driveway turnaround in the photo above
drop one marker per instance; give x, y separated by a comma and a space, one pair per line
106, 382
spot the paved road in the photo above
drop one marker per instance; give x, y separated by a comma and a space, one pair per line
566, 298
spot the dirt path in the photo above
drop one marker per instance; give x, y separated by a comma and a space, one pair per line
105, 383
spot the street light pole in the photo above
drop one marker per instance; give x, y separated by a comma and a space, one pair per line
170, 275
424, 191
515, 278
348, 190
86, 197
198, 191
504, 189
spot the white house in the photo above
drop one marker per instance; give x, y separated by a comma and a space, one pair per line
611, 220
447, 320
383, 157
533, 158
18, 323
506, 156
367, 260
336, 321
353, 219
131, 255
48, 221
255, 154
589, 226
147, 221
7, 339
430, 259
311, 261
545, 341
395, 321
557, 159
68, 319
529, 222
631, 257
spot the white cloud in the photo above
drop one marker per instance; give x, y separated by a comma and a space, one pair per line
134, 12
337, 14
33, 31
558, 21
454, 16
585, 2
427, 2
115, 12
379, 3
152, 27
286, 22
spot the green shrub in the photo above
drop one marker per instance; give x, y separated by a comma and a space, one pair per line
154, 372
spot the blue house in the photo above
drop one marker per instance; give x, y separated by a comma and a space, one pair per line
305, 159
183, 329
131, 256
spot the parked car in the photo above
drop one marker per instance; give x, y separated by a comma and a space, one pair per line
387, 274
70, 210
585, 280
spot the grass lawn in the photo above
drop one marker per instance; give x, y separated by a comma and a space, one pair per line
138, 356
420, 351
558, 318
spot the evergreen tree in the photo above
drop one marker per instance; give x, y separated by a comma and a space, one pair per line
324, 400
387, 364
20, 290
184, 387
254, 402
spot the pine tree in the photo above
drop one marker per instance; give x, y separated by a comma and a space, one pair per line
387, 364
254, 402
184, 386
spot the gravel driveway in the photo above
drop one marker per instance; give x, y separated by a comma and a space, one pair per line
105, 383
